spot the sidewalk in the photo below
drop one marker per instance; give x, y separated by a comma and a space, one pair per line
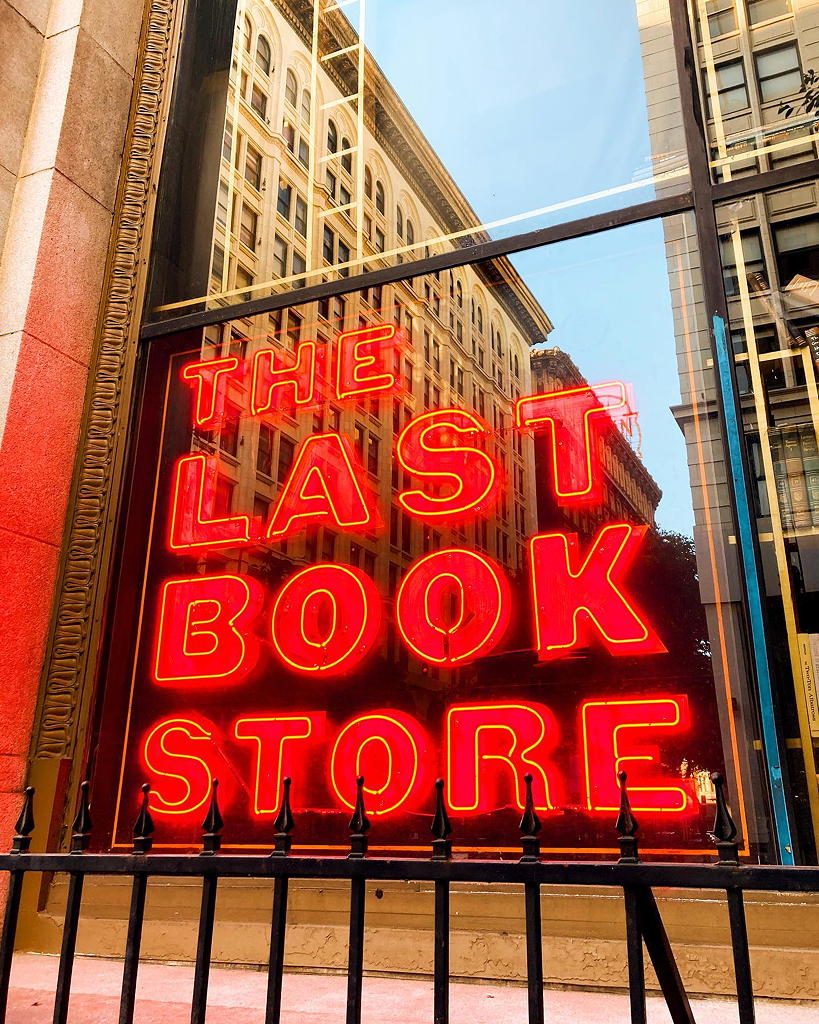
237, 997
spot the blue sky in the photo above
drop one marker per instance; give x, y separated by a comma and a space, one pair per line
535, 102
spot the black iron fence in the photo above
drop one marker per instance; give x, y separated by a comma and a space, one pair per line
637, 880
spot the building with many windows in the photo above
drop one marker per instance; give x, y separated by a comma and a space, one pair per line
757, 62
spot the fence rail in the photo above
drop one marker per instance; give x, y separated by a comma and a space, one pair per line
645, 930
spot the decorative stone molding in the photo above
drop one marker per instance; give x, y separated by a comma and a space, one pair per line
87, 539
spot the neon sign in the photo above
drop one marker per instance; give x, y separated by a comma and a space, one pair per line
262, 656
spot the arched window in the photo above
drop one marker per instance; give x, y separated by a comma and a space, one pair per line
380, 201
517, 366
291, 87
332, 137
247, 30
460, 291
368, 183
399, 222
480, 320
263, 54
410, 232
305, 105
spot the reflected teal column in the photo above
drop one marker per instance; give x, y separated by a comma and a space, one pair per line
753, 589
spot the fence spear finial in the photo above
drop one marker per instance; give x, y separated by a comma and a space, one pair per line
441, 826
626, 825
25, 824
212, 825
359, 824
81, 828
529, 825
284, 822
724, 833
144, 824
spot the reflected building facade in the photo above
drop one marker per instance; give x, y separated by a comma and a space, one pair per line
756, 62
308, 181
630, 493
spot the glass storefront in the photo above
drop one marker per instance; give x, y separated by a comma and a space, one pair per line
351, 140
418, 488
438, 576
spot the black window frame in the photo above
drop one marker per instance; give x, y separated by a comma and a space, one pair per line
700, 200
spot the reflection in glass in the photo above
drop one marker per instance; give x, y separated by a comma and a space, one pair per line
351, 109
771, 261
758, 62
480, 341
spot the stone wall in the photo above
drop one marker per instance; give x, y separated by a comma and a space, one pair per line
66, 83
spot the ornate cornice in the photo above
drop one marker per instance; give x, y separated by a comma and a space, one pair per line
87, 542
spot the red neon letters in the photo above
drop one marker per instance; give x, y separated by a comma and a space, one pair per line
203, 633
577, 600
179, 755
453, 606
490, 747
441, 447
326, 486
326, 619
364, 362
389, 749
279, 388
193, 524
280, 750
210, 380
574, 420
486, 749
618, 734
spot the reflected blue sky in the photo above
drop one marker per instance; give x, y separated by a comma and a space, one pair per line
532, 102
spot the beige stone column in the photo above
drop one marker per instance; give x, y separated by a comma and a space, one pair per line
66, 82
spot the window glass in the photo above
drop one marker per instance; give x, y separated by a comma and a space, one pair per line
263, 55
300, 221
764, 10
753, 263
253, 167
722, 17
732, 90
258, 100
510, 540
778, 72
551, 130
777, 328
285, 199
291, 87
247, 231
769, 121
797, 251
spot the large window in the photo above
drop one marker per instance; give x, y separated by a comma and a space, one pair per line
365, 493
548, 242
505, 172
